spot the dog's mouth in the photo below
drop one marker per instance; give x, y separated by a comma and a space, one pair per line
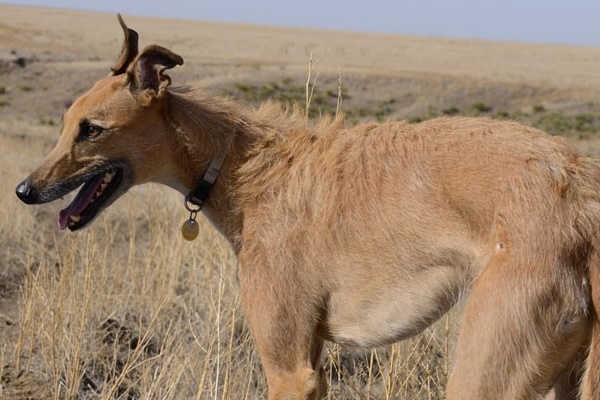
96, 194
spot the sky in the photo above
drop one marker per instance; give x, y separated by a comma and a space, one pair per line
575, 22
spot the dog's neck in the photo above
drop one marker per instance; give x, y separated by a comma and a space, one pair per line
207, 129
254, 143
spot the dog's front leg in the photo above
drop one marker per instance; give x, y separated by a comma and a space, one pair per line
283, 316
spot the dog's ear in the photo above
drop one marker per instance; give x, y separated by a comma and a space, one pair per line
129, 50
147, 72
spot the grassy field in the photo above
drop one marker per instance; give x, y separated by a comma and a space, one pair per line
127, 309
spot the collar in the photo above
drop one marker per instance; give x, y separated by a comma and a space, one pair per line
199, 195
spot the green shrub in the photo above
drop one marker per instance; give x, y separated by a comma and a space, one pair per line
538, 108
480, 107
452, 110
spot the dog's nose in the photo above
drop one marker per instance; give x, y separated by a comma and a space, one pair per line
24, 191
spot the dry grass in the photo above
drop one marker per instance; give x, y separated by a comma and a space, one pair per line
127, 309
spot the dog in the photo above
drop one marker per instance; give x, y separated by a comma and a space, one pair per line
363, 235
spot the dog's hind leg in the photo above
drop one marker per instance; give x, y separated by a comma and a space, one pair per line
567, 386
591, 379
523, 324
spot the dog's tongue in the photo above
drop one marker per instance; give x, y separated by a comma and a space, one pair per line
80, 202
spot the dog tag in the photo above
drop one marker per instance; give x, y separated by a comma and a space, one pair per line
190, 230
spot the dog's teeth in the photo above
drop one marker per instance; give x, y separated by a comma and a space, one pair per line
108, 176
103, 186
75, 218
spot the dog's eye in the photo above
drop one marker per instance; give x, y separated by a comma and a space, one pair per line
88, 130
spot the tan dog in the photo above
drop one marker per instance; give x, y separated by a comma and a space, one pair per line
362, 236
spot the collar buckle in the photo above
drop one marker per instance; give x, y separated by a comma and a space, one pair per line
200, 194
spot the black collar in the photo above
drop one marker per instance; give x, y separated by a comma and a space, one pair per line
199, 195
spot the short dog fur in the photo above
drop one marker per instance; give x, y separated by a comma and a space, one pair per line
364, 235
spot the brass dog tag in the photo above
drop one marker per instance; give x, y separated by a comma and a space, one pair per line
190, 229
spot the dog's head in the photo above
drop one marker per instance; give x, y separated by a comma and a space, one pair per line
110, 138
